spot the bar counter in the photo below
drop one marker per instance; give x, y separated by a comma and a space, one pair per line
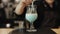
41, 31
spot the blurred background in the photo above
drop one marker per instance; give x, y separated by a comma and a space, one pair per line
7, 16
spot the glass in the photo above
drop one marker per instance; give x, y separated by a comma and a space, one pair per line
16, 24
31, 16
19, 24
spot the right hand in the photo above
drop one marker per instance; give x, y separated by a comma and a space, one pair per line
26, 2
20, 8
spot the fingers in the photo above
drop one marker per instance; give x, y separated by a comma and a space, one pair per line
26, 1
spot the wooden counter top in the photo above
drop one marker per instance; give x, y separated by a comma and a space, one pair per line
57, 30
7, 30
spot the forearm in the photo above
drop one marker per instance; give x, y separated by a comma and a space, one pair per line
19, 9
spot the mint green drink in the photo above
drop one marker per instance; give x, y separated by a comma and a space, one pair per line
31, 17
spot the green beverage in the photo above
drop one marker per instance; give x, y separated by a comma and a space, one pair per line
31, 17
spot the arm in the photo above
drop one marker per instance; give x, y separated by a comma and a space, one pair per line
20, 7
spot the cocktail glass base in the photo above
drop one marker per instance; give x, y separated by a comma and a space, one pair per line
31, 30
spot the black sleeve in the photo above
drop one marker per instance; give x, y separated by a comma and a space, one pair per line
22, 16
39, 20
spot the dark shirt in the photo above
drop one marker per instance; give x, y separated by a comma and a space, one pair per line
47, 16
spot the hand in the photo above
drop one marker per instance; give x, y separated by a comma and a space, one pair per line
20, 7
26, 2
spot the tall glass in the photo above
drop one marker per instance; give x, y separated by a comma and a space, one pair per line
31, 16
